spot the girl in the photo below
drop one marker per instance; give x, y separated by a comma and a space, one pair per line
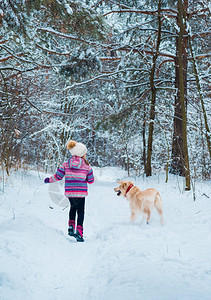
78, 173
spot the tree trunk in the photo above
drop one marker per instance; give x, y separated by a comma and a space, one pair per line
144, 139
182, 87
153, 98
177, 163
177, 147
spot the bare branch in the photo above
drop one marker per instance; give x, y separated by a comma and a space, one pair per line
50, 30
108, 58
168, 12
21, 59
201, 56
163, 62
33, 105
198, 12
101, 76
10, 57
52, 51
3, 42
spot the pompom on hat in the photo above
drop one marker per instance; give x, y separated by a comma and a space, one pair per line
76, 149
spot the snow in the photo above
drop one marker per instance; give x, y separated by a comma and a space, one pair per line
69, 9
118, 260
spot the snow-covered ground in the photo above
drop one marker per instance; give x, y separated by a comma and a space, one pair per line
118, 260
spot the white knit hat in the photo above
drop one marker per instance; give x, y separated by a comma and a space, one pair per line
76, 149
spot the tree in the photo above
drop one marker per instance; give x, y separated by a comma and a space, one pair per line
182, 11
153, 97
180, 164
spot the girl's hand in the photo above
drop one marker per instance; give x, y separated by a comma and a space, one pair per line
46, 180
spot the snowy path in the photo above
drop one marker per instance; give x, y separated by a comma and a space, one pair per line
118, 260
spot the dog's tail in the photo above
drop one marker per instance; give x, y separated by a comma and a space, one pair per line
159, 207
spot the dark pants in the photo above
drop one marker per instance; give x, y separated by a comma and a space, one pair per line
77, 205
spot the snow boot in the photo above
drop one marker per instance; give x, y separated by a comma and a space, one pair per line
71, 229
79, 234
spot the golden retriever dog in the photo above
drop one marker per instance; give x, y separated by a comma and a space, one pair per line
140, 201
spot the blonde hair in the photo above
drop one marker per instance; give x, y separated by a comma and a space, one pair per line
86, 161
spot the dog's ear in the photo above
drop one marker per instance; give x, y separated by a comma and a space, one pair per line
119, 181
124, 184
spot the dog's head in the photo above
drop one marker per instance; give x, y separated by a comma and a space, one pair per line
122, 188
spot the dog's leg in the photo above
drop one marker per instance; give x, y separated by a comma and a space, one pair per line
133, 216
148, 213
148, 216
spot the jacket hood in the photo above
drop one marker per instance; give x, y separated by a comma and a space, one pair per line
75, 162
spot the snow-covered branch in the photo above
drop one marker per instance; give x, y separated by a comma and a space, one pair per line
67, 36
168, 12
3, 59
53, 51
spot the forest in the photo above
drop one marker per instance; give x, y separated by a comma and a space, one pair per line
129, 78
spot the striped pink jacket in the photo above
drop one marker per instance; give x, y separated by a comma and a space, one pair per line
77, 174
